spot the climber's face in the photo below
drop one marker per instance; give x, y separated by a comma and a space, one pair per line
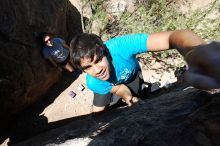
97, 67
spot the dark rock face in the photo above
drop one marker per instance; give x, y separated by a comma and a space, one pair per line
25, 76
180, 118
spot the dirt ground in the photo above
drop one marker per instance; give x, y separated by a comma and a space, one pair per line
66, 106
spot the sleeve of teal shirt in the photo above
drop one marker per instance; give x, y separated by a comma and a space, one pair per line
128, 45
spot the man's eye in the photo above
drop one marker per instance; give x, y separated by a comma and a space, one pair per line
86, 67
98, 60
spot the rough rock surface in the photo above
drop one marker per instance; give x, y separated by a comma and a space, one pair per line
25, 76
179, 118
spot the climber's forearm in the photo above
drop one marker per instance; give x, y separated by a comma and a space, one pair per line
184, 40
181, 40
123, 91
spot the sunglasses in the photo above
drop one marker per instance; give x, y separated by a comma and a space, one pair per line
48, 40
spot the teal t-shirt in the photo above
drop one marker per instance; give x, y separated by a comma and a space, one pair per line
123, 51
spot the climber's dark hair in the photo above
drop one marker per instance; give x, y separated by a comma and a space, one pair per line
86, 46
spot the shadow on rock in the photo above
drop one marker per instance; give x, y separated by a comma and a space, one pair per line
29, 122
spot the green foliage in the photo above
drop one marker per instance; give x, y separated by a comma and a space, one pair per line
160, 15
98, 14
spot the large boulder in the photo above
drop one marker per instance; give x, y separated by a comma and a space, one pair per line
178, 118
25, 76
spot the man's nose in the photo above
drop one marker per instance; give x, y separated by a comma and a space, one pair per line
97, 69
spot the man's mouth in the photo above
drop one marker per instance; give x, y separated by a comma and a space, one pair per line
102, 75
